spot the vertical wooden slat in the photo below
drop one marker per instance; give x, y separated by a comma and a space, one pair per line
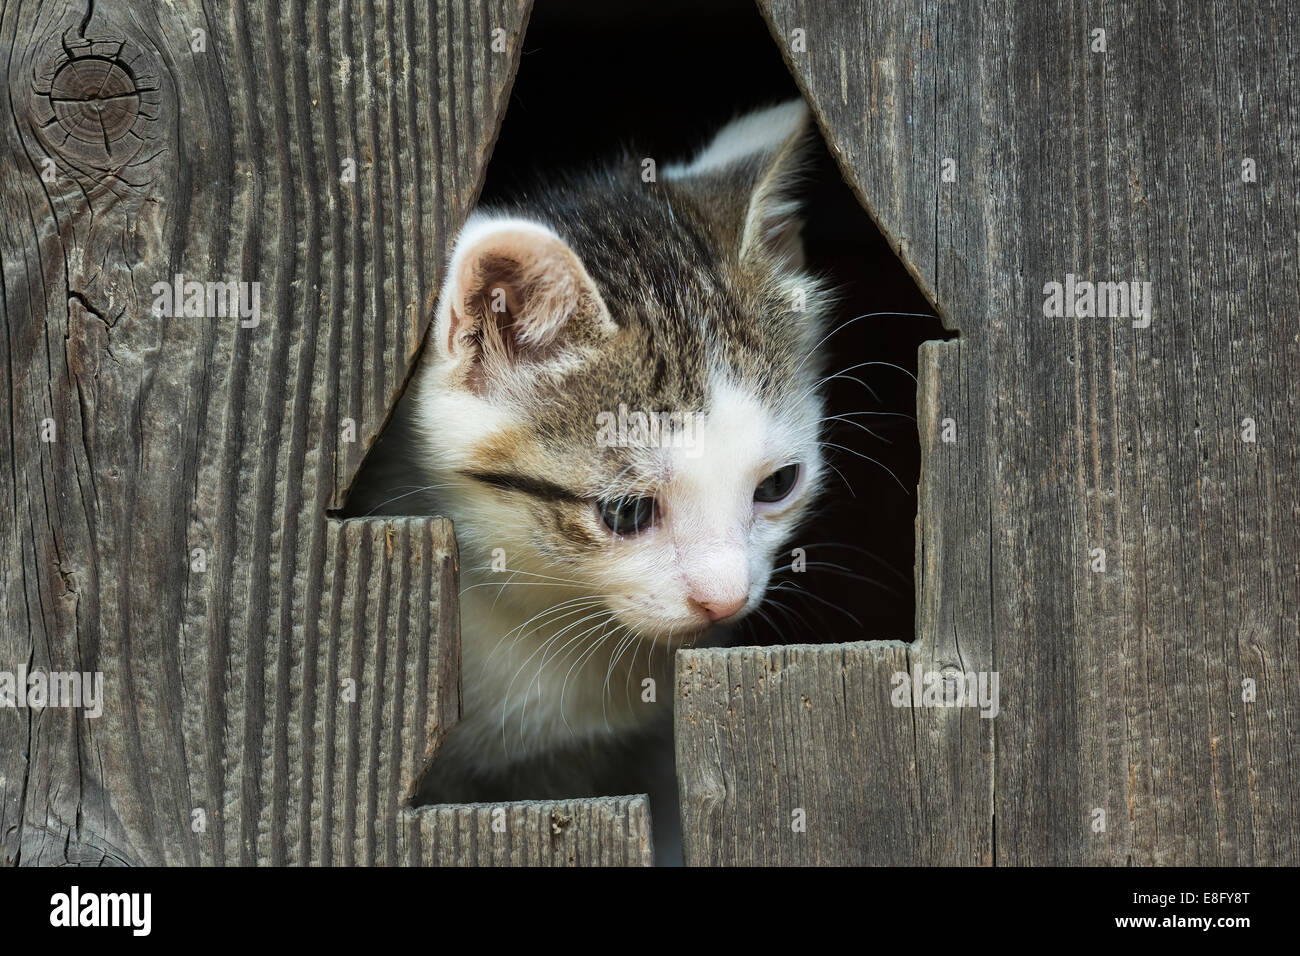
181, 433
1123, 735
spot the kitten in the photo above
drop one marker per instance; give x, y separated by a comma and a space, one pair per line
595, 541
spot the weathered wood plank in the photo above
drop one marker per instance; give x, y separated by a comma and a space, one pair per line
1122, 689
798, 756
601, 831
376, 697
327, 153
793, 755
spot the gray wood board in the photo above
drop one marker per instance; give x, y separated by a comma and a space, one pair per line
1121, 690
797, 756
229, 162
600, 831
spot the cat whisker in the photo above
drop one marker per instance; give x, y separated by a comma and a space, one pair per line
788, 611
866, 315
572, 601
627, 678
842, 572
539, 650
846, 377
787, 585
847, 421
506, 699
502, 584
844, 374
545, 577
637, 637
575, 606
545, 660
847, 485
888, 471
853, 368
406, 495
570, 582
579, 663
776, 631
831, 418
860, 550
619, 648
782, 636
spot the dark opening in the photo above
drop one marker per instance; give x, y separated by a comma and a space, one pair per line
663, 76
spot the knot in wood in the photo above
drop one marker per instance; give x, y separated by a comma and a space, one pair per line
95, 103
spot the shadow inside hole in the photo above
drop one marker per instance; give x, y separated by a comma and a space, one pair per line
860, 546
664, 76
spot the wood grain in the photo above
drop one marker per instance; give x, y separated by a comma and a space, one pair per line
795, 756
600, 831
225, 163
1122, 690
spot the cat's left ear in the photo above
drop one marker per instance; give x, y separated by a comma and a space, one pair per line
747, 181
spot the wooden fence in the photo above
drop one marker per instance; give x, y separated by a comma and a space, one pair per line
1109, 513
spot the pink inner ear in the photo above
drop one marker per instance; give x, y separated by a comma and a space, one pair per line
515, 289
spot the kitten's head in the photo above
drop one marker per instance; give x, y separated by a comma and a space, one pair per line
621, 389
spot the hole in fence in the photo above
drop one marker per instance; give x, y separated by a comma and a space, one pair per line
665, 76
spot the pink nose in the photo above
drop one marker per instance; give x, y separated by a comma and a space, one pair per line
718, 610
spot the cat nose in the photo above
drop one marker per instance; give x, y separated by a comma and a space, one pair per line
721, 609
717, 578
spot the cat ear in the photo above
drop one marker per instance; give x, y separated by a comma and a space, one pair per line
747, 181
515, 294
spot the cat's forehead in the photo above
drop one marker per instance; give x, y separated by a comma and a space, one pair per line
661, 381
682, 325
661, 266
698, 339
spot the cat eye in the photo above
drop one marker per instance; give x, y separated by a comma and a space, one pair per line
778, 484
628, 515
